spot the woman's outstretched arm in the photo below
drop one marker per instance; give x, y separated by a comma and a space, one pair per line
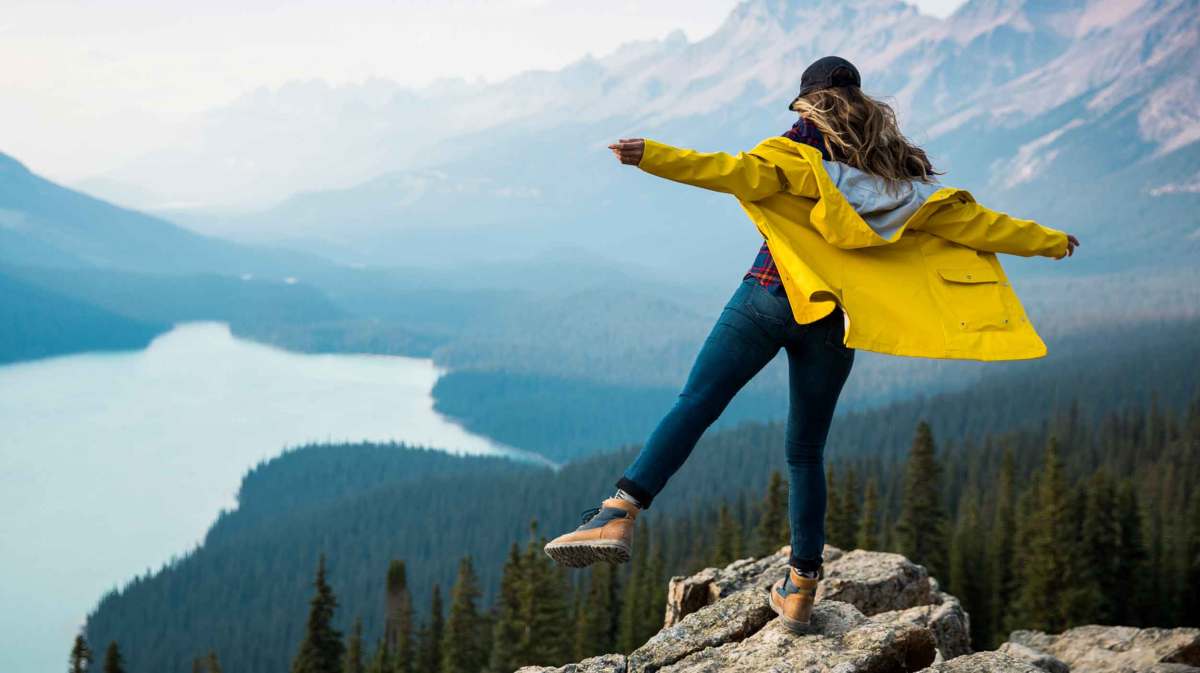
750, 176
746, 175
982, 228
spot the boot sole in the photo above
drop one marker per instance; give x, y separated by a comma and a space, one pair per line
580, 554
794, 625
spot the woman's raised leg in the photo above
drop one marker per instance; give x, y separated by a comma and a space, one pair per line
738, 347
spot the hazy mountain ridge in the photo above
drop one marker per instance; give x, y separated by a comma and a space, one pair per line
73, 229
83, 274
1064, 113
1008, 61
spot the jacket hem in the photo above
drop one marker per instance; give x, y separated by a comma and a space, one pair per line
947, 353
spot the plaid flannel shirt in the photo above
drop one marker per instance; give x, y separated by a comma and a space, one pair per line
764, 269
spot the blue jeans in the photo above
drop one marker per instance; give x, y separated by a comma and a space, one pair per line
754, 325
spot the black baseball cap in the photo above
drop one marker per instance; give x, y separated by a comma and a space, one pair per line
826, 72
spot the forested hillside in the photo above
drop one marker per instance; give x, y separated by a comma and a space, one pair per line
1115, 408
37, 323
569, 417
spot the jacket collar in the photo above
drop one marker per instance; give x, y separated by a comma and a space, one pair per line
850, 195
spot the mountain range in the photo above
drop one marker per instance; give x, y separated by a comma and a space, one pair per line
1082, 114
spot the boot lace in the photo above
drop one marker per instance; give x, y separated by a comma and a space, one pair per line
589, 514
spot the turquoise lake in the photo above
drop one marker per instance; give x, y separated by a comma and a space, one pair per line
111, 463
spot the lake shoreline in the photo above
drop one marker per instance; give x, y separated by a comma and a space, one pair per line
133, 454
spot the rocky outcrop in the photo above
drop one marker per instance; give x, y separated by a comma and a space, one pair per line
841, 639
876, 582
944, 617
1109, 649
1046, 662
686, 595
984, 662
875, 613
887, 587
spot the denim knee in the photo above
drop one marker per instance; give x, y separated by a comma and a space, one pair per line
805, 453
699, 406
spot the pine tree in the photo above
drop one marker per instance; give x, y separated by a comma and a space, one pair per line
850, 512
702, 540
461, 642
967, 575
544, 607
834, 512
596, 630
429, 645
772, 532
1000, 549
1044, 572
1024, 523
322, 649
81, 655
1130, 558
112, 659
1098, 551
728, 545
920, 532
633, 596
868, 523
382, 661
398, 622
1080, 601
486, 620
1191, 588
354, 649
508, 628
653, 593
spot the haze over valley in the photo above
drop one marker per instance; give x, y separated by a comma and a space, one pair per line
287, 286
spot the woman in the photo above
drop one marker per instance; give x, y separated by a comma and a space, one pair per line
863, 249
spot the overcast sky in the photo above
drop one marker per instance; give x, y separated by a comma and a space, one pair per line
86, 85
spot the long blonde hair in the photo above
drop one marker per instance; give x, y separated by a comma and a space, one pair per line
861, 131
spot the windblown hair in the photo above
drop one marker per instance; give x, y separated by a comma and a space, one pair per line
862, 132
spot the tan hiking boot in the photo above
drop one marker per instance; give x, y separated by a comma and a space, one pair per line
605, 535
792, 598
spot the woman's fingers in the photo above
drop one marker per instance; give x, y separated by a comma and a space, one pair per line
629, 150
1071, 243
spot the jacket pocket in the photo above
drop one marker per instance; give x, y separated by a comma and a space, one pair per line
768, 308
974, 296
835, 334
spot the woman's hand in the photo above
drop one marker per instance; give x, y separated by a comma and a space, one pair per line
629, 150
1071, 243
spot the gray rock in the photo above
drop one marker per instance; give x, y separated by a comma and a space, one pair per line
730, 619
950, 624
873, 582
983, 662
1118, 649
605, 663
685, 595
1046, 662
841, 640
876, 582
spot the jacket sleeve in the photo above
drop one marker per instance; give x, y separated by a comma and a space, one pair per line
982, 228
747, 175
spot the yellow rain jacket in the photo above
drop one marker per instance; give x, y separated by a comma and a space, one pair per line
915, 273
